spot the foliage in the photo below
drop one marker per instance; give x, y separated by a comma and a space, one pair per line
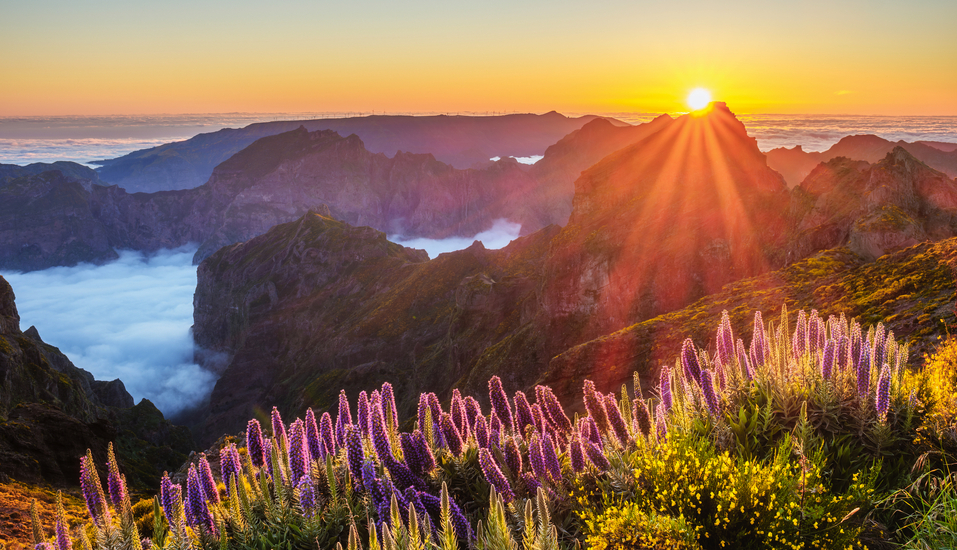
785, 443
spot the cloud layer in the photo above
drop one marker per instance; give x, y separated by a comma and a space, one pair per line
501, 233
129, 319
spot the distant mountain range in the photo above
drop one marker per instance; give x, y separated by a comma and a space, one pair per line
459, 141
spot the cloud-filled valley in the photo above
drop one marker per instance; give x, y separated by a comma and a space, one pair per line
129, 319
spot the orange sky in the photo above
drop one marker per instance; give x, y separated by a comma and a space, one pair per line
111, 57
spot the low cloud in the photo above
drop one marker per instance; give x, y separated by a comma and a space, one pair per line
501, 233
129, 319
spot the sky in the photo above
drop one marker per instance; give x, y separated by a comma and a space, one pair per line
877, 57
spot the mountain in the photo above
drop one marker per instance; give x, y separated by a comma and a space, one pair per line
51, 412
942, 145
316, 305
873, 209
664, 234
460, 141
71, 170
51, 219
795, 164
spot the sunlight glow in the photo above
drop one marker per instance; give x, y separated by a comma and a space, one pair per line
699, 98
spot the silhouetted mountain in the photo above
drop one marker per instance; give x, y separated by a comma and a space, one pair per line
460, 141
795, 164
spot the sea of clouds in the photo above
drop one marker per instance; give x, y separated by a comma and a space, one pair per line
128, 319
498, 236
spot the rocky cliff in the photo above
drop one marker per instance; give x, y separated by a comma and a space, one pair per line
795, 164
460, 141
52, 411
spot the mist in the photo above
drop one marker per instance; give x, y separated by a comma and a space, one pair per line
128, 319
501, 233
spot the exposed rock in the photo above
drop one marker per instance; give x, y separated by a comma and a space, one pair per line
795, 164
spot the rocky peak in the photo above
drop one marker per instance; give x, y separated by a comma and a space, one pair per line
9, 317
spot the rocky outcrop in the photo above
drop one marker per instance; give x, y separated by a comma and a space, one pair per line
795, 164
72, 170
316, 305
460, 141
874, 209
51, 412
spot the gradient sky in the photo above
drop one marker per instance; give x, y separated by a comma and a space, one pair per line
61, 57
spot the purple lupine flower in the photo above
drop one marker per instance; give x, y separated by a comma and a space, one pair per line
554, 412
391, 414
451, 434
494, 424
371, 482
878, 348
481, 431
317, 450
595, 405
494, 476
62, 529
206, 478
278, 428
375, 400
707, 389
435, 409
575, 454
327, 434
827, 359
523, 412
595, 455
719, 371
93, 491
538, 418
864, 373
425, 521
362, 414
457, 411
473, 410
641, 416
531, 483
196, 508
298, 451
230, 465
421, 411
799, 339
380, 439
883, 400
661, 427
536, 457
689, 361
115, 483
171, 499
725, 339
354, 453
590, 431
500, 402
267, 451
343, 419
618, 426
513, 457
461, 526
254, 443
402, 475
664, 387
759, 342
307, 496
551, 459
854, 350
815, 332
410, 452
840, 353
423, 451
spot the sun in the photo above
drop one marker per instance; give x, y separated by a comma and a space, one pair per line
699, 98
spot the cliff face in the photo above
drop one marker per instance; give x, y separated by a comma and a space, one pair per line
52, 411
460, 141
795, 164
316, 305
874, 209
